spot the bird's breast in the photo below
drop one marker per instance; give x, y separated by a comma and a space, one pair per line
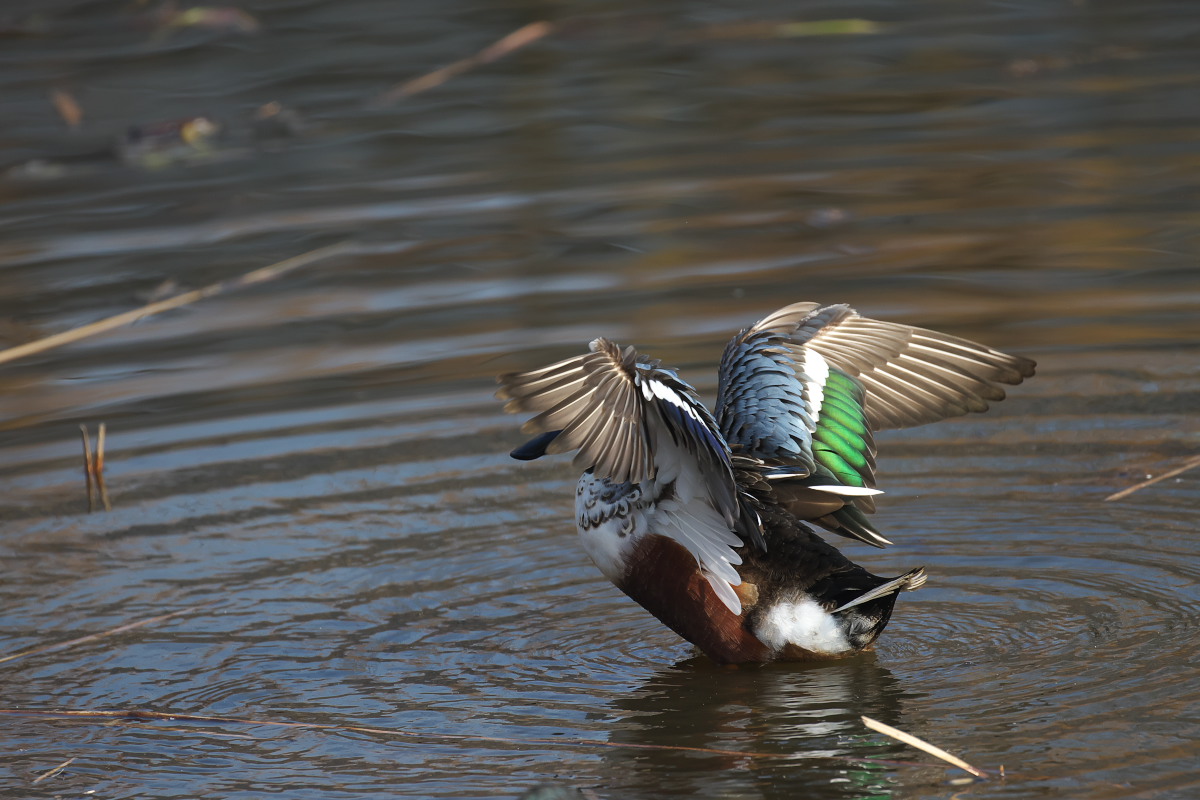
665, 579
616, 527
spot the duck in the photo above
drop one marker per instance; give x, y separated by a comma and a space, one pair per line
706, 519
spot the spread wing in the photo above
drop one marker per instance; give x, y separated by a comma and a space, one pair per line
631, 419
803, 420
910, 375
608, 405
806, 386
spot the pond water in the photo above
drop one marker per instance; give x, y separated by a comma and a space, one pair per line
317, 461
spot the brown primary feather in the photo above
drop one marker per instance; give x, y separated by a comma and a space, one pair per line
911, 375
593, 400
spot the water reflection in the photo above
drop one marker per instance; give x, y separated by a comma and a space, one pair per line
810, 712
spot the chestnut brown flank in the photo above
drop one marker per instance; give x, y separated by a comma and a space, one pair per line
665, 579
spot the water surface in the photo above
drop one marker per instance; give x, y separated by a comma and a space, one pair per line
320, 461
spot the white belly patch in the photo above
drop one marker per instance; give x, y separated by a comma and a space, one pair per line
804, 624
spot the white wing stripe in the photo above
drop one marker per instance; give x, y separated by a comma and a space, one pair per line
817, 369
652, 388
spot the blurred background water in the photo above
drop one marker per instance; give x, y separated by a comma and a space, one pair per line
320, 460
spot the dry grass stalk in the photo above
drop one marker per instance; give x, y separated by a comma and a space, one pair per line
921, 744
91, 637
55, 771
93, 467
87, 468
98, 467
178, 301
160, 728
511, 43
67, 108
1191, 463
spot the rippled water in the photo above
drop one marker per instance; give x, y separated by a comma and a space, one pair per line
317, 462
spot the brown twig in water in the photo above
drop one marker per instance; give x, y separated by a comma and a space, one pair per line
1191, 463
511, 43
98, 467
110, 323
921, 744
87, 467
142, 715
160, 728
91, 637
783, 29
93, 467
67, 108
55, 771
